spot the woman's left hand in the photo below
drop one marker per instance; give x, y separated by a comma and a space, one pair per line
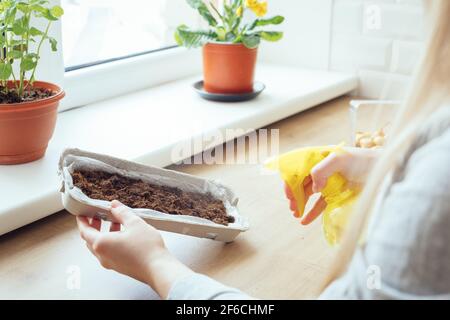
137, 251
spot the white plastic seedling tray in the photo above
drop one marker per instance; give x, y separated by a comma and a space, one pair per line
78, 204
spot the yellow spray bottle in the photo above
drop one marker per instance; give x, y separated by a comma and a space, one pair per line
339, 196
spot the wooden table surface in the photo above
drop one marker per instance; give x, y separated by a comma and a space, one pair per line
276, 259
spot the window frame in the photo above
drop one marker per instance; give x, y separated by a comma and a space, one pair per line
132, 55
101, 81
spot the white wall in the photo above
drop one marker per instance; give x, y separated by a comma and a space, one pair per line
306, 41
380, 41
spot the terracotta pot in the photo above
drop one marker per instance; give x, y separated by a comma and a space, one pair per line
228, 68
26, 128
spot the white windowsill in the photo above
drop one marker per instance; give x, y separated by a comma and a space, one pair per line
145, 125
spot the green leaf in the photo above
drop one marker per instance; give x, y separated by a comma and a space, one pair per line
14, 42
4, 6
48, 15
28, 62
57, 11
236, 24
15, 54
35, 32
37, 8
265, 22
271, 35
53, 44
229, 12
23, 7
203, 10
252, 40
5, 70
221, 33
236, 4
10, 16
19, 27
191, 38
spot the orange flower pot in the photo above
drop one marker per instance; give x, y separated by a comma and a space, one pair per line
228, 68
26, 128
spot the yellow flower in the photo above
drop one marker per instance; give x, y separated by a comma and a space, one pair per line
239, 11
259, 8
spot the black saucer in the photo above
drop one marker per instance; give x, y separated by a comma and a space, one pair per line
258, 87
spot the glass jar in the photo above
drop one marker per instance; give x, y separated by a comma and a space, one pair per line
371, 121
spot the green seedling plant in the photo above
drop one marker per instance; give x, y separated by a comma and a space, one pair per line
21, 41
228, 26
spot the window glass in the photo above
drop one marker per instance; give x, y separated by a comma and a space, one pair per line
96, 31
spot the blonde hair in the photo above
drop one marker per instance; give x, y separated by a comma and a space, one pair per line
429, 91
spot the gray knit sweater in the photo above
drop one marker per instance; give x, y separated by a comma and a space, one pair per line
407, 250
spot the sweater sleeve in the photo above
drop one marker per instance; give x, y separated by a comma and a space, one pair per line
407, 253
200, 287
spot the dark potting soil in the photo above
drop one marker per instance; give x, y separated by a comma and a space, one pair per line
135, 193
30, 94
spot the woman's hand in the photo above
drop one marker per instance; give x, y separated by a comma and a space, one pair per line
137, 251
316, 209
354, 164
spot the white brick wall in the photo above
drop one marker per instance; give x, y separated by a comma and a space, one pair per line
380, 41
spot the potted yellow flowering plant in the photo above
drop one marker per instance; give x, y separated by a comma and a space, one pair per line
230, 43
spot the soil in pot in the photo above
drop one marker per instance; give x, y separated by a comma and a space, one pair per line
135, 193
31, 94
